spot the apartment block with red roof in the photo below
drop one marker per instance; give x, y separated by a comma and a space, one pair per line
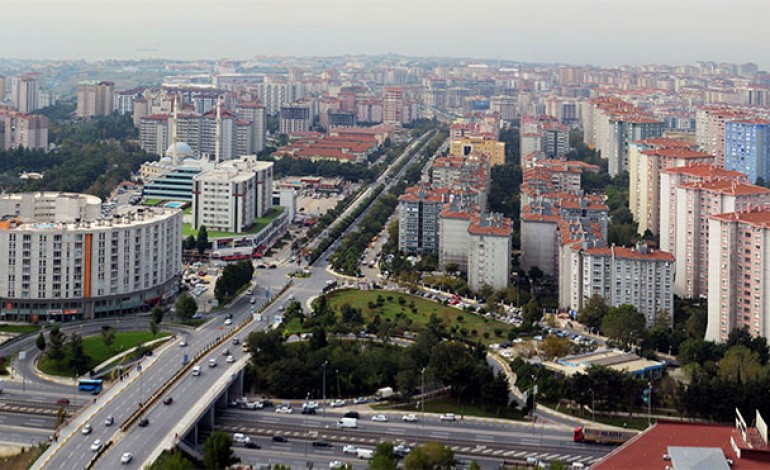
738, 264
696, 202
646, 159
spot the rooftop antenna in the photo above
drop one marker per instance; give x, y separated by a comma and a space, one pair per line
218, 135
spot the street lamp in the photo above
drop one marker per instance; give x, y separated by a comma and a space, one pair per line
593, 406
422, 400
649, 405
339, 394
323, 402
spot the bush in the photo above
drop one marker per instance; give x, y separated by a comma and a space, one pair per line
401, 301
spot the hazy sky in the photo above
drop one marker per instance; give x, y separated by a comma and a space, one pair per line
605, 32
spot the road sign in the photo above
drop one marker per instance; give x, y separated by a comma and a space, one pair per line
267, 293
185, 360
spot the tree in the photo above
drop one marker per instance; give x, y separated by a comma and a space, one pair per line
40, 341
202, 242
553, 346
474, 465
383, 458
186, 306
532, 312
79, 360
485, 291
108, 336
431, 455
233, 278
218, 451
625, 324
55, 344
740, 364
157, 315
189, 242
495, 393
593, 311
154, 328
172, 460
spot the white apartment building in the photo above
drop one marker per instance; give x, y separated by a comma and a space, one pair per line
738, 284
639, 277
228, 197
489, 253
62, 259
453, 234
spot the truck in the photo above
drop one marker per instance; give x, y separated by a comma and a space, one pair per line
365, 454
347, 423
384, 393
601, 436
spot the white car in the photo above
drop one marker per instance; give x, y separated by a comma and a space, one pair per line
230, 359
336, 464
97, 445
448, 417
109, 420
380, 418
338, 403
291, 296
86, 429
350, 450
360, 401
410, 418
126, 458
183, 343
284, 410
229, 321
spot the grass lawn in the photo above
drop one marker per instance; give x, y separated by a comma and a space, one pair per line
259, 224
97, 351
23, 460
21, 329
152, 202
294, 327
634, 422
466, 325
449, 405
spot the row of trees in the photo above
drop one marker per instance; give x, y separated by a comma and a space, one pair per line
234, 277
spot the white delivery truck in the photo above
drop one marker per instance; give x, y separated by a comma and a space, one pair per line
365, 454
347, 423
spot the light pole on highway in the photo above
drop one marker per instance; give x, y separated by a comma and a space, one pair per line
593, 406
339, 394
323, 402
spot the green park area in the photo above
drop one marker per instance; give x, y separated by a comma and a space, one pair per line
411, 313
96, 351
259, 224
18, 329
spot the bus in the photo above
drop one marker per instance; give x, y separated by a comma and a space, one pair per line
88, 385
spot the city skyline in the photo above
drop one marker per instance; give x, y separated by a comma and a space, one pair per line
588, 31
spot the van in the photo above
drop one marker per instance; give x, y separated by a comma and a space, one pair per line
212, 362
365, 454
347, 423
196, 370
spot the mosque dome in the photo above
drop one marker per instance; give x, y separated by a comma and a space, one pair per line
183, 150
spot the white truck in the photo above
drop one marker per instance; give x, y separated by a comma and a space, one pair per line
347, 423
384, 393
365, 454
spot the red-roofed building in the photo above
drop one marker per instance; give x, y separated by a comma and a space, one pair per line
739, 273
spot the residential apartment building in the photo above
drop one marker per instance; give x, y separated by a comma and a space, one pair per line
418, 215
23, 130
95, 99
61, 260
254, 113
640, 277
747, 147
646, 159
295, 118
228, 197
478, 145
393, 106
739, 291
25, 94
199, 131
489, 252
711, 130
695, 203
453, 235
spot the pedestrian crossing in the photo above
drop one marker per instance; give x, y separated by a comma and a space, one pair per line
479, 450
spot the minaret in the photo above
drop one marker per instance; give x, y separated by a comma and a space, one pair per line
174, 138
218, 134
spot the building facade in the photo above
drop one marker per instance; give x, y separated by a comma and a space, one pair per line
95, 99
747, 148
63, 261
489, 253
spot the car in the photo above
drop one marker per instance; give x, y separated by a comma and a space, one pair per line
229, 321
410, 418
236, 341
310, 404
168, 401
448, 417
291, 296
253, 301
352, 414
338, 403
97, 445
183, 343
144, 422
251, 445
196, 370
212, 362
226, 352
272, 266
401, 450
380, 418
62, 401
308, 411
126, 458
261, 266
284, 410
322, 443
279, 438
250, 292
359, 401
86, 429
230, 359
109, 421
349, 449
241, 438
334, 464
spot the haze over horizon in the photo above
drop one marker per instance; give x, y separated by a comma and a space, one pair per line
601, 32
